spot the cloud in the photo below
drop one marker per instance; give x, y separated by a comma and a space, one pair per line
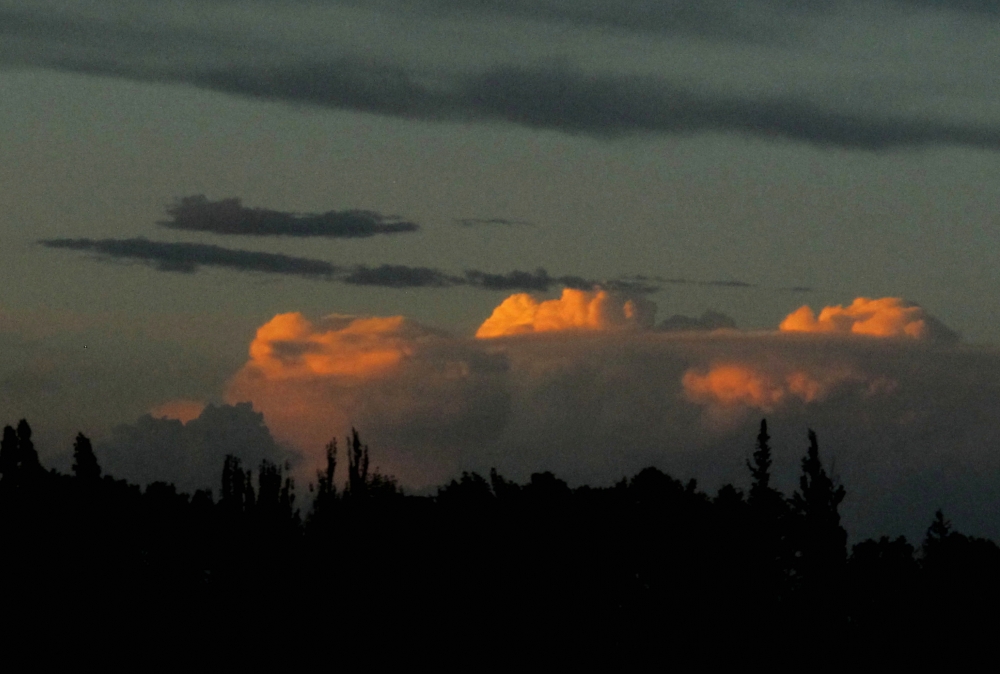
737, 385
400, 276
909, 425
541, 94
502, 222
574, 310
181, 410
710, 320
189, 454
229, 216
189, 257
425, 391
883, 317
572, 101
593, 405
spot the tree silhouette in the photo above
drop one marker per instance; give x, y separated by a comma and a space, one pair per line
85, 465
324, 505
18, 458
760, 469
768, 545
357, 467
821, 541
9, 454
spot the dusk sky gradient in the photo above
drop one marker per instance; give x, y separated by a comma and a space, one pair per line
177, 175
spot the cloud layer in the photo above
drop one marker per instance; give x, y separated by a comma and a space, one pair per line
229, 216
190, 454
600, 402
190, 257
803, 89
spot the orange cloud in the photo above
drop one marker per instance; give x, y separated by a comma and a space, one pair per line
884, 317
182, 410
300, 373
574, 310
739, 385
290, 346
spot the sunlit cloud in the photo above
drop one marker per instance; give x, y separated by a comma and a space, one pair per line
181, 410
575, 310
883, 317
766, 389
588, 390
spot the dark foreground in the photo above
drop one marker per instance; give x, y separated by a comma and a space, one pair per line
648, 571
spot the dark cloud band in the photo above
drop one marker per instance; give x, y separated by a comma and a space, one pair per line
190, 257
545, 96
229, 216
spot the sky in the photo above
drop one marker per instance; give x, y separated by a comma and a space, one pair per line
315, 206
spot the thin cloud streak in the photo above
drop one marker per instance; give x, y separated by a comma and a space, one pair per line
503, 222
230, 216
190, 257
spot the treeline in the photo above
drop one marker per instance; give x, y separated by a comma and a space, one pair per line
627, 572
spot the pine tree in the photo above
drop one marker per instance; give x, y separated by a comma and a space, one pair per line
769, 553
85, 465
763, 498
822, 541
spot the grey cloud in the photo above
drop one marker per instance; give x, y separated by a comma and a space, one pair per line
503, 222
710, 320
575, 102
189, 455
543, 96
399, 276
515, 280
189, 257
229, 216
640, 280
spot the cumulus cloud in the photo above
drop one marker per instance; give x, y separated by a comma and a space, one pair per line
574, 310
883, 317
596, 404
423, 390
230, 216
189, 454
189, 257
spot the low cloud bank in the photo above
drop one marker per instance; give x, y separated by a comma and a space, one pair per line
189, 454
908, 424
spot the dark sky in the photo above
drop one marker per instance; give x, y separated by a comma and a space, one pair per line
176, 174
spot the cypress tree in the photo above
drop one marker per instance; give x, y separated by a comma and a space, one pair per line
85, 465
